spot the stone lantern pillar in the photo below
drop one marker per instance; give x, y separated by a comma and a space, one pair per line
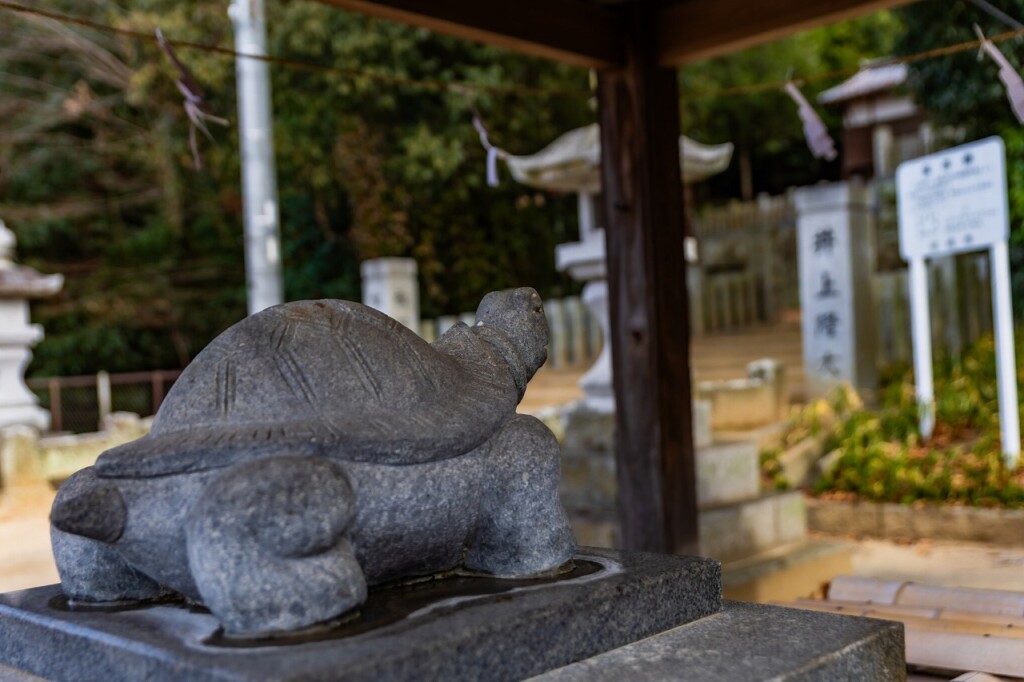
390, 286
18, 284
585, 262
572, 163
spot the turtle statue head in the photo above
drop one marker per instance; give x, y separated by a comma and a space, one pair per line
519, 315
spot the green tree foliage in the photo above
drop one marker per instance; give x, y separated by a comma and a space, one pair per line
92, 184
959, 90
409, 162
965, 96
96, 177
763, 124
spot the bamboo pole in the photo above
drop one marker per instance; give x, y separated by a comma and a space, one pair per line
1003, 602
922, 623
926, 612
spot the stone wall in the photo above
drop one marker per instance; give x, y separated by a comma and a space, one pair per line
900, 522
28, 459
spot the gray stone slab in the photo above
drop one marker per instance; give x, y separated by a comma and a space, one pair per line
741, 529
469, 633
727, 472
754, 642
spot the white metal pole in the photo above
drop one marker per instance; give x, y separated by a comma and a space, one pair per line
1006, 365
259, 183
921, 335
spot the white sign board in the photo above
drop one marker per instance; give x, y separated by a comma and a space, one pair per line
953, 201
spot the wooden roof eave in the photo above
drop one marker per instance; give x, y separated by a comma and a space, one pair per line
691, 30
589, 34
571, 31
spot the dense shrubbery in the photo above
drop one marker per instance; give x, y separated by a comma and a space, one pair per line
880, 456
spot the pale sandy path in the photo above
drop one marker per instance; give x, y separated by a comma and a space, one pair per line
25, 557
550, 387
952, 564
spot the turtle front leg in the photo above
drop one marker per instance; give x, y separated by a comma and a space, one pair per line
523, 527
267, 546
91, 569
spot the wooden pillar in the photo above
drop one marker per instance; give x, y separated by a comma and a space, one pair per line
639, 115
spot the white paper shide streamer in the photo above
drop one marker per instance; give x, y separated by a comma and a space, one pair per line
493, 153
1007, 74
195, 106
818, 139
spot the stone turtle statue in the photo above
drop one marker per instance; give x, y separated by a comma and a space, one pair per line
314, 449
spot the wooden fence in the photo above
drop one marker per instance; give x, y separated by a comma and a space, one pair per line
960, 298
79, 404
747, 270
960, 305
961, 311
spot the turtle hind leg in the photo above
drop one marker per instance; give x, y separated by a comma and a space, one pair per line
523, 528
267, 546
90, 569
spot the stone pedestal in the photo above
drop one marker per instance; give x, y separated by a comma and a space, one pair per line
736, 521
599, 394
835, 245
585, 261
18, 284
390, 286
588, 486
619, 616
761, 536
453, 629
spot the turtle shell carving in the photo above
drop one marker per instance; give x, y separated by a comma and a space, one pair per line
328, 377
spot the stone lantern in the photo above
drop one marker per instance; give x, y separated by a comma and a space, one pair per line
18, 284
572, 163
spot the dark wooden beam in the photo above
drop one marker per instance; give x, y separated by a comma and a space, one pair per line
639, 114
573, 31
690, 30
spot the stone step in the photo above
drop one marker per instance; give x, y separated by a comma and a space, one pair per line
742, 403
728, 532
726, 356
726, 473
742, 529
753, 642
787, 572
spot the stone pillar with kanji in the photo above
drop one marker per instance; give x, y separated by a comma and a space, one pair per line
836, 250
390, 285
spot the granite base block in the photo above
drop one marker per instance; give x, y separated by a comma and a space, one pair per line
508, 635
754, 642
